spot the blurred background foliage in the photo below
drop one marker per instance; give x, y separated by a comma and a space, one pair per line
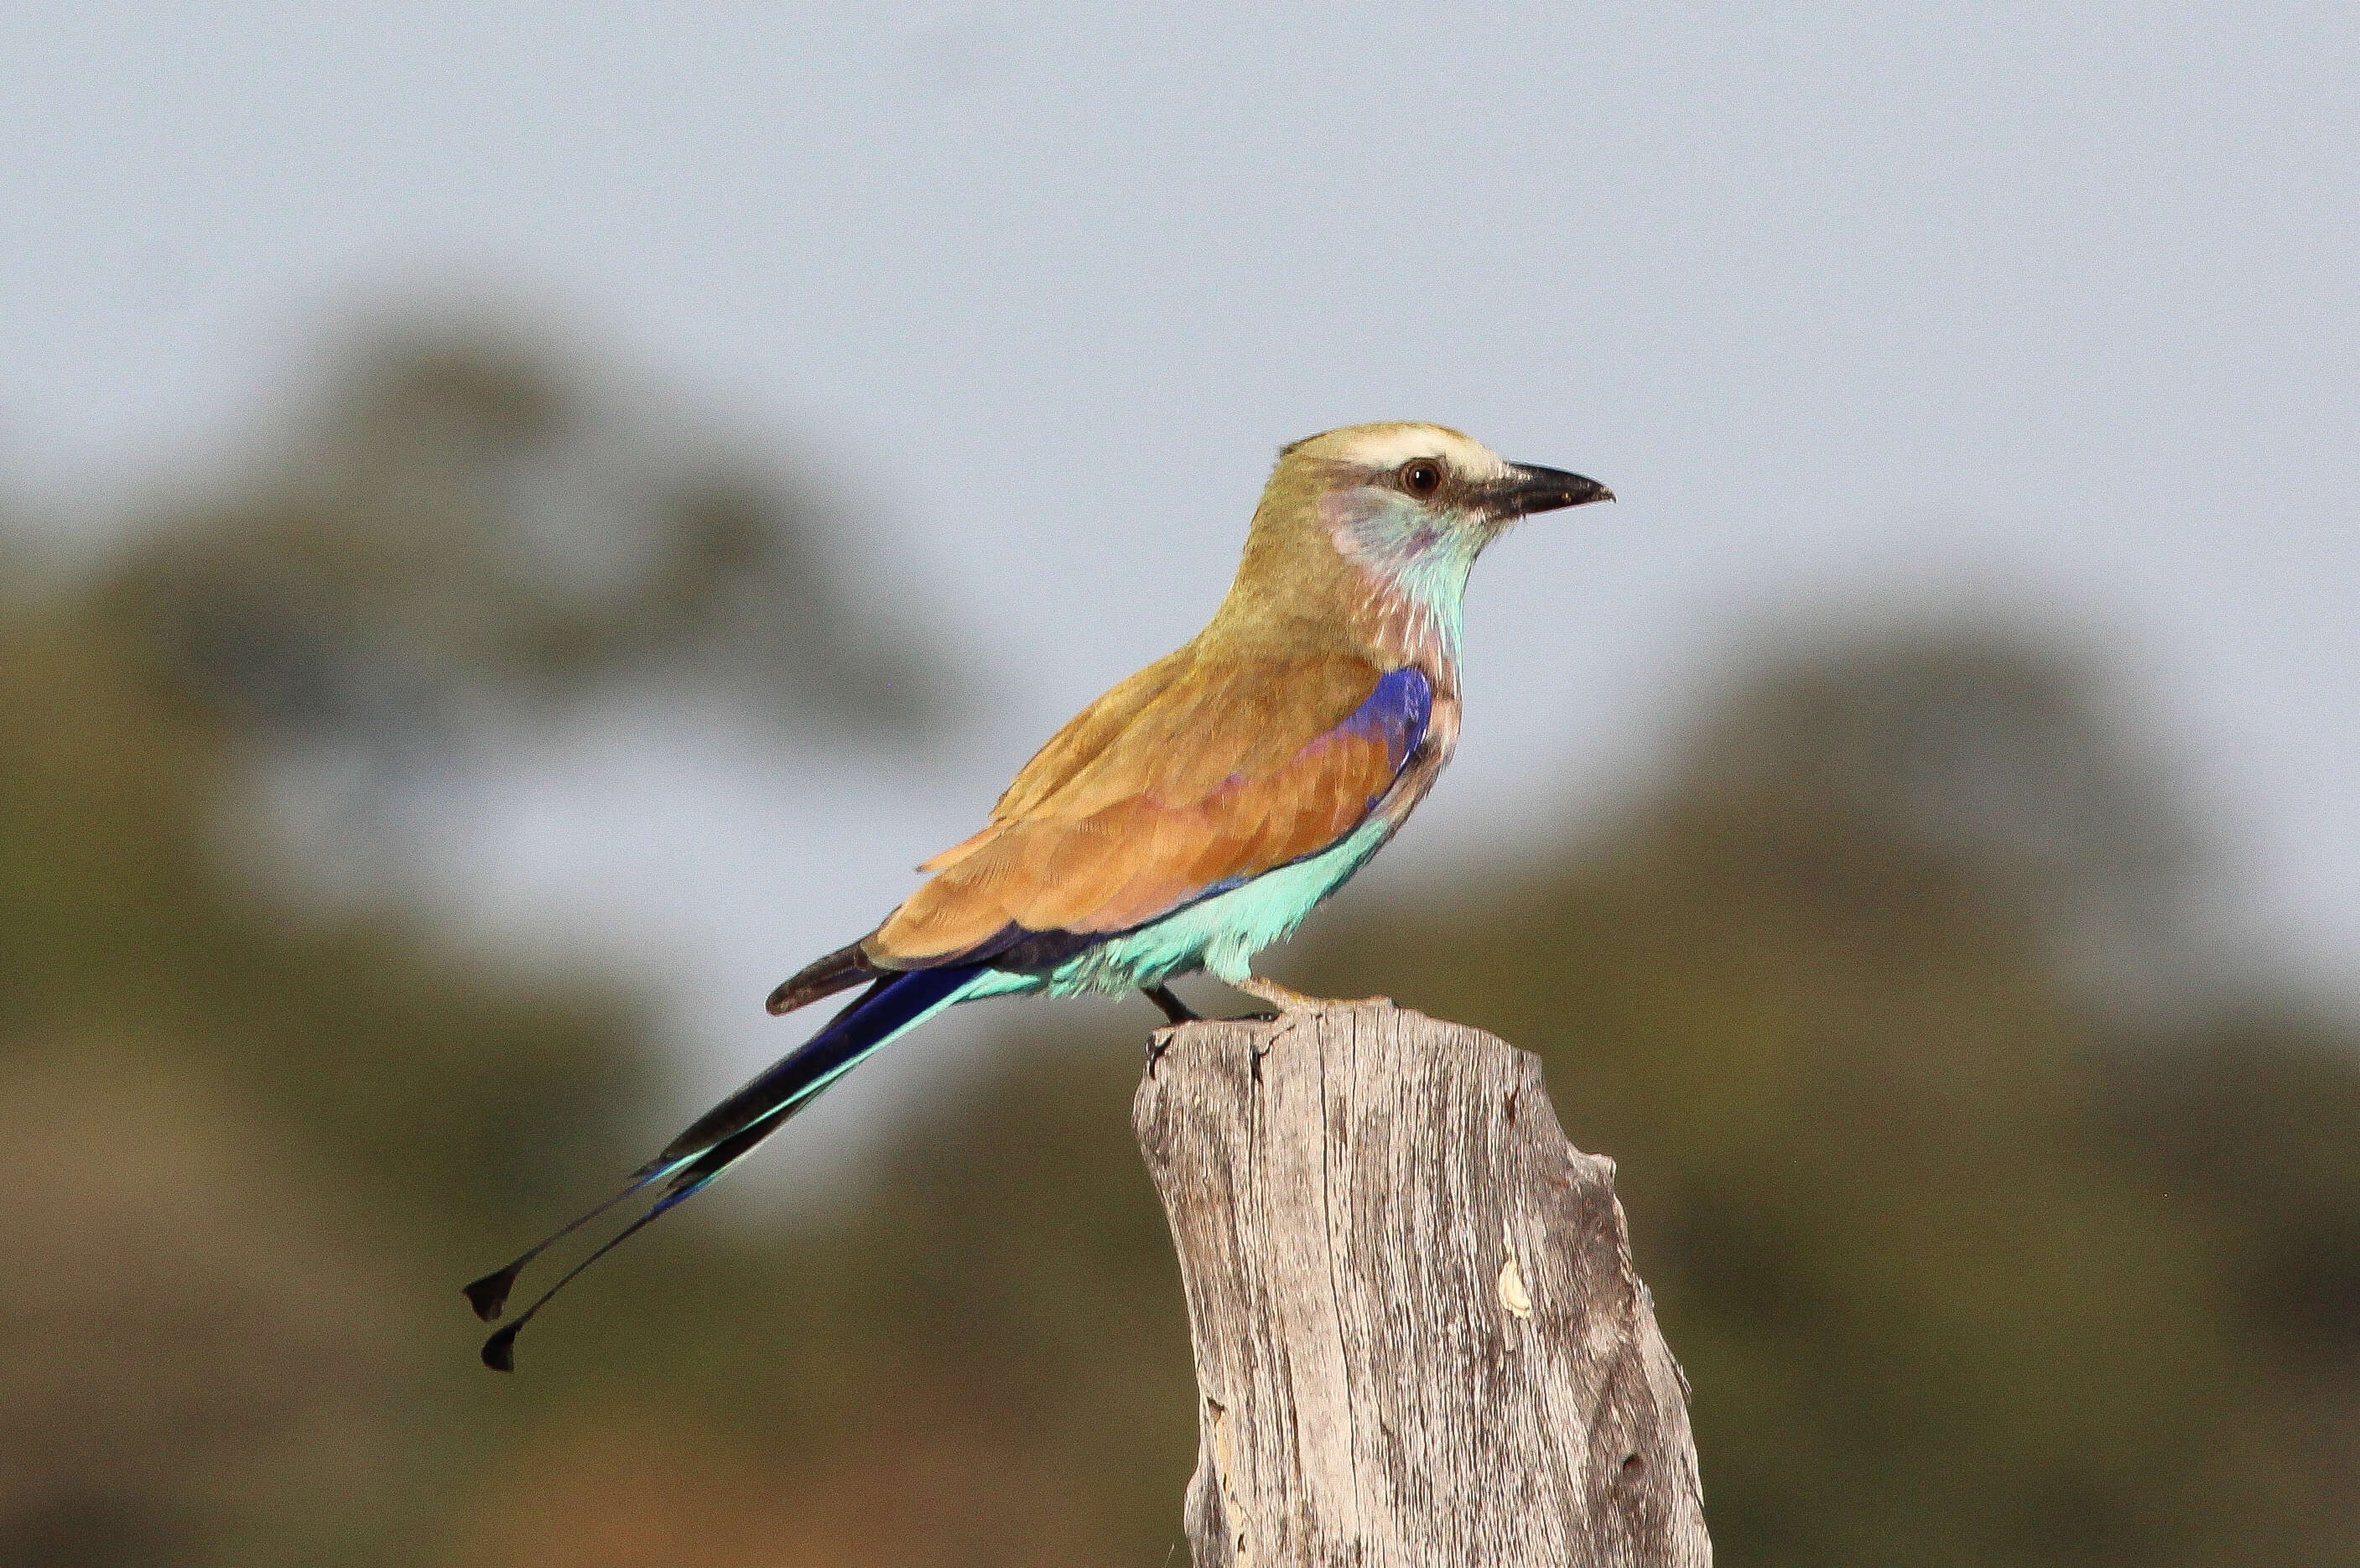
1996, 1217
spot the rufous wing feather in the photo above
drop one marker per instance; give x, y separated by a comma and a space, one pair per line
1197, 779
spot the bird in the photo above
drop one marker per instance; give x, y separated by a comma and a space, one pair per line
1189, 818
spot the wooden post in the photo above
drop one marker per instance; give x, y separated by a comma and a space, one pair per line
1419, 1339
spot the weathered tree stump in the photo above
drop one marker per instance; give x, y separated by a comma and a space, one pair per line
1419, 1338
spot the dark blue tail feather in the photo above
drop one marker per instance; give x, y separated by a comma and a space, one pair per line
875, 1017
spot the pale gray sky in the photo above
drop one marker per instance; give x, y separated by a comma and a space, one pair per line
2051, 308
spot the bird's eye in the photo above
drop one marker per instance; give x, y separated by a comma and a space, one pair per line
1421, 476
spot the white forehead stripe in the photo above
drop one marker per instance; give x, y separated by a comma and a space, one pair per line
1396, 444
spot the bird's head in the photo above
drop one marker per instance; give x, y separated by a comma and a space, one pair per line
1425, 478
1411, 505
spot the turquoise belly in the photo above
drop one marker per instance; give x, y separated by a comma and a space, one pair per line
1221, 933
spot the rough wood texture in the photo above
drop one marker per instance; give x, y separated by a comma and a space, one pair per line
1419, 1338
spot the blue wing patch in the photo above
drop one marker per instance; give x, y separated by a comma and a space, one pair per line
1398, 710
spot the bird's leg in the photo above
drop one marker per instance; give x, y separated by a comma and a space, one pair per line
1174, 1010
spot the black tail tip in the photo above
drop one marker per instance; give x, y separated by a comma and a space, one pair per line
489, 1295
499, 1351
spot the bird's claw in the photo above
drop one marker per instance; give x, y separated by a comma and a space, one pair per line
1288, 1000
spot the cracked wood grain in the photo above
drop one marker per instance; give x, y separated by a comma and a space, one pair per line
1419, 1338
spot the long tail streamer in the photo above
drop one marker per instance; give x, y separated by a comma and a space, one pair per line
726, 1134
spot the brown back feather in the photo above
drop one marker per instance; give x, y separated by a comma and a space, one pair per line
1198, 769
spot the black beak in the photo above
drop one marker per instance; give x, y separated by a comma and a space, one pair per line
1528, 489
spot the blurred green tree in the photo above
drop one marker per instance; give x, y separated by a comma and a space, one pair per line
460, 528
257, 1141
1995, 1220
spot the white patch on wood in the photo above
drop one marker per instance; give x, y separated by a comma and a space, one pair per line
1512, 1294
1240, 1523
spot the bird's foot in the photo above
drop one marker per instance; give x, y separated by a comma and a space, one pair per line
1288, 1000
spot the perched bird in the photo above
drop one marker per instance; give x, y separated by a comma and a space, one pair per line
1191, 816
